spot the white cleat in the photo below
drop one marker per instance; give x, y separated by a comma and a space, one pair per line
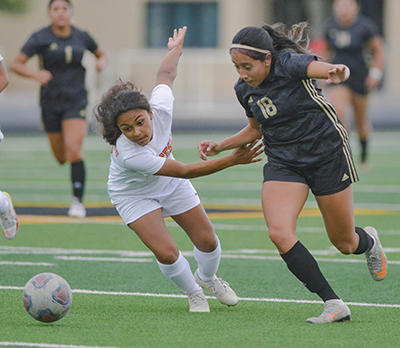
220, 289
77, 209
376, 258
334, 311
198, 302
9, 220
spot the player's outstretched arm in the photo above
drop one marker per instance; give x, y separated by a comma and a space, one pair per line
243, 155
3, 77
333, 73
19, 67
247, 135
168, 68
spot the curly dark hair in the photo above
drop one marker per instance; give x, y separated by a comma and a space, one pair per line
119, 99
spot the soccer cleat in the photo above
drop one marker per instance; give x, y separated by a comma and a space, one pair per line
77, 209
334, 311
9, 220
220, 289
198, 302
376, 258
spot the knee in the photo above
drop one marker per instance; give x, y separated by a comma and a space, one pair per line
167, 256
207, 244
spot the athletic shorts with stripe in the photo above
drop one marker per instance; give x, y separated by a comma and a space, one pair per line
328, 178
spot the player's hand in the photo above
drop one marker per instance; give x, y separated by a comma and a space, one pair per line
249, 153
338, 74
177, 39
207, 148
43, 77
372, 83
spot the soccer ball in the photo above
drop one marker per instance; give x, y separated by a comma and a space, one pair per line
47, 297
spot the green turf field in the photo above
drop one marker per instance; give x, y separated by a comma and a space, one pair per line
121, 299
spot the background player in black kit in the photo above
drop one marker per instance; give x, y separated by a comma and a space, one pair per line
63, 98
306, 147
348, 37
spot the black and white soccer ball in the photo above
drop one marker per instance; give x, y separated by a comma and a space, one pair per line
47, 297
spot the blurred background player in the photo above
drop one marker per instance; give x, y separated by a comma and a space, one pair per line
8, 217
146, 183
354, 40
63, 97
307, 149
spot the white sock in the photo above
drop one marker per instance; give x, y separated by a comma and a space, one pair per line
208, 262
3, 203
180, 274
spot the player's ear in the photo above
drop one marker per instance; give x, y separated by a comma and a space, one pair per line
268, 59
151, 114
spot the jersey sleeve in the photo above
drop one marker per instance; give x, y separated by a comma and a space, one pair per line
146, 164
294, 65
162, 98
91, 44
242, 102
32, 45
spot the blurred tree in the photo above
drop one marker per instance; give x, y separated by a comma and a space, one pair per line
14, 6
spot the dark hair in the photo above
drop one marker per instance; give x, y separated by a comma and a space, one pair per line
69, 2
273, 38
119, 99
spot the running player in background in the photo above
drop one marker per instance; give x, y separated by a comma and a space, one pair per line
146, 184
8, 216
348, 37
307, 148
63, 97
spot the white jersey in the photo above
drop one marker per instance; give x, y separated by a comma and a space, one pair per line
133, 166
1, 134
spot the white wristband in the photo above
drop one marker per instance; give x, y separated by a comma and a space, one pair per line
375, 73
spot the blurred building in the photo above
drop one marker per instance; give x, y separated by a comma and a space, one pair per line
134, 33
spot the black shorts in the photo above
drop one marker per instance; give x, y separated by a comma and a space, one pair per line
61, 104
331, 177
52, 117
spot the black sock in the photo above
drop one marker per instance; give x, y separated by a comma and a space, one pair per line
303, 265
364, 144
366, 242
78, 179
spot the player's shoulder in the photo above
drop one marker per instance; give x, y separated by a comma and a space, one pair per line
367, 23
42, 33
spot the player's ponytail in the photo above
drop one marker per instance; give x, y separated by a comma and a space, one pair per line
293, 39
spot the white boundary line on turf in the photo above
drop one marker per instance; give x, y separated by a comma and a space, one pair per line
255, 299
45, 345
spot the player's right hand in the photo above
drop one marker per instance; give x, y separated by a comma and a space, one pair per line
43, 77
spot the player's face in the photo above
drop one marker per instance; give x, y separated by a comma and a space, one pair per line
137, 126
60, 13
252, 71
345, 10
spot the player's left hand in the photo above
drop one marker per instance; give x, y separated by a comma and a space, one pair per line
248, 153
177, 39
337, 74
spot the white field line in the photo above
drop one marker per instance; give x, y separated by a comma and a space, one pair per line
44, 345
108, 259
146, 256
19, 263
252, 299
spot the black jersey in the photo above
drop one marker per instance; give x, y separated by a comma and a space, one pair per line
349, 44
63, 58
299, 126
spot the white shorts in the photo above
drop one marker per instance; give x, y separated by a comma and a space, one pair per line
181, 200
